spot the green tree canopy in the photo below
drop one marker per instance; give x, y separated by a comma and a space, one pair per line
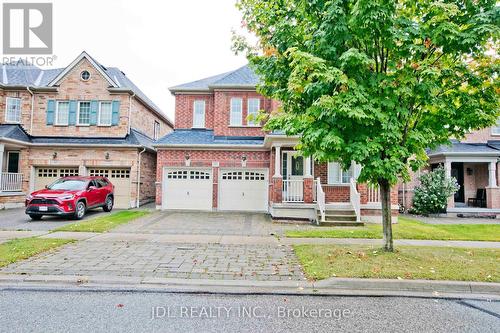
376, 81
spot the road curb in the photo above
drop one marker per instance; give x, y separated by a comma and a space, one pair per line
333, 286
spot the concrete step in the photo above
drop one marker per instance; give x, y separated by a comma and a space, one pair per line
336, 217
331, 223
340, 212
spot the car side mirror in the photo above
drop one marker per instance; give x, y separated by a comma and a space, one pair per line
91, 188
46, 186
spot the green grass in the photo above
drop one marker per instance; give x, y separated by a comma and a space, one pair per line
23, 248
104, 223
408, 229
408, 262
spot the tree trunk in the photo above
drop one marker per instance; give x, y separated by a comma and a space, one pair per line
385, 197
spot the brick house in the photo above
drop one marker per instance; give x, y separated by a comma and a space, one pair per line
218, 159
474, 162
85, 119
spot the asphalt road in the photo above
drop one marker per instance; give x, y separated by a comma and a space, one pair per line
77, 311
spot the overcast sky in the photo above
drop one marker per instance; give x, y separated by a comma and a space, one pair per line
157, 43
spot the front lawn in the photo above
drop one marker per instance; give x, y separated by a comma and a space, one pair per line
104, 223
407, 262
408, 229
23, 248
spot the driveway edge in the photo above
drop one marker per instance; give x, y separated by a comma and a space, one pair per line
332, 287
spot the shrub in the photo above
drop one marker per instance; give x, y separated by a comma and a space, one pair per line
432, 195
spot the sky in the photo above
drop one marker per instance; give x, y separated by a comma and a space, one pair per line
157, 44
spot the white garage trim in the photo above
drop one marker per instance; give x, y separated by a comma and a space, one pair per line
187, 188
252, 183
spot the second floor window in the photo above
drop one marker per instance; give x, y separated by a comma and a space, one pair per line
253, 110
496, 129
236, 114
13, 112
105, 114
62, 113
199, 114
83, 113
156, 130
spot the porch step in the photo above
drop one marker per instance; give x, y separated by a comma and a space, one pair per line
343, 211
337, 217
330, 223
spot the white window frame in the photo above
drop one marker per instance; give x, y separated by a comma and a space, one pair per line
7, 109
340, 181
56, 116
495, 130
78, 113
199, 124
156, 130
99, 122
234, 113
253, 123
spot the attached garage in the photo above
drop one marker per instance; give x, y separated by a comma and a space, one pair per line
187, 189
243, 190
120, 178
47, 175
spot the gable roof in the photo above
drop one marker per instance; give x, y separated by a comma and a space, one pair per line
21, 74
243, 77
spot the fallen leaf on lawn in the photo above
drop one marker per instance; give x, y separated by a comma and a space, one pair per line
399, 278
435, 293
120, 305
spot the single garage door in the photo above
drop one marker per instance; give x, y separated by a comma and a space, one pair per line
120, 178
243, 190
187, 189
45, 176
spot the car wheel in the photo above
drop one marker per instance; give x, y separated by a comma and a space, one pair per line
80, 210
36, 217
108, 205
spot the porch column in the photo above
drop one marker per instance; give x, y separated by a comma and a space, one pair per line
307, 172
308, 182
492, 191
447, 171
277, 161
492, 168
2, 148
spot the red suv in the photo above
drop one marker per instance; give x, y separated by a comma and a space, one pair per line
71, 196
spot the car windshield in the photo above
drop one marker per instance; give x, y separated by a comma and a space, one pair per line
68, 184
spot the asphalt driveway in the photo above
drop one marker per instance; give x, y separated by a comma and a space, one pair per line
16, 219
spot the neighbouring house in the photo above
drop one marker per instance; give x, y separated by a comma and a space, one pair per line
85, 119
218, 159
474, 163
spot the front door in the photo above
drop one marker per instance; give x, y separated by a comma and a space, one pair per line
13, 161
457, 171
293, 176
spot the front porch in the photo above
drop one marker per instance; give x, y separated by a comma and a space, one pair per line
303, 189
11, 177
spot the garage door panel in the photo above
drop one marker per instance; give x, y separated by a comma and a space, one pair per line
47, 175
187, 189
243, 190
120, 178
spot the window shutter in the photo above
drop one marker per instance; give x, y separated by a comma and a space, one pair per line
94, 106
51, 105
115, 113
72, 112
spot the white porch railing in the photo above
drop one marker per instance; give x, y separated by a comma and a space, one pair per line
320, 199
355, 199
11, 182
293, 190
373, 193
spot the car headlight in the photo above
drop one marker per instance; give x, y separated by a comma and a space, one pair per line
29, 197
67, 197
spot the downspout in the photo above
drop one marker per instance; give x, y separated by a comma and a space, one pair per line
130, 111
32, 108
139, 178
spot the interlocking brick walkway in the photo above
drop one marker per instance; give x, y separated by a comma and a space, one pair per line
147, 259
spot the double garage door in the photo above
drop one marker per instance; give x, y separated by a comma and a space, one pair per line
120, 178
239, 190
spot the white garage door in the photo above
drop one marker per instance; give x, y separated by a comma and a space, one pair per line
120, 178
187, 189
243, 190
45, 176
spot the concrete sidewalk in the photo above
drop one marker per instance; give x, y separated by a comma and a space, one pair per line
6, 235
